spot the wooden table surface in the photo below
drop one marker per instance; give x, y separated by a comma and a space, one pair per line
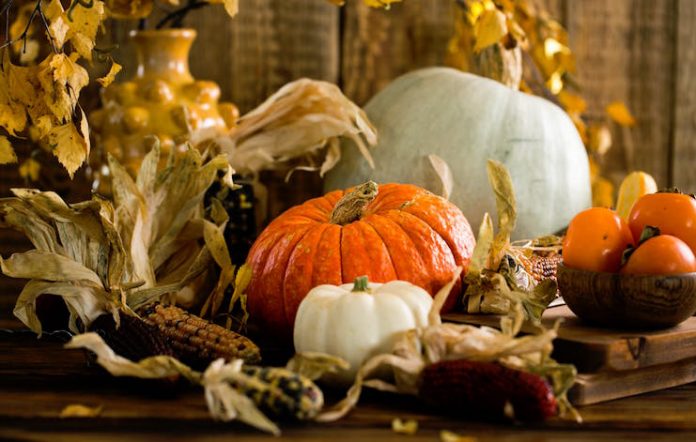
38, 378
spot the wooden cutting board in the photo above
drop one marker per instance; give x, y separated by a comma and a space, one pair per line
614, 363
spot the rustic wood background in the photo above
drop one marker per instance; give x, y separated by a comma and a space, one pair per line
637, 51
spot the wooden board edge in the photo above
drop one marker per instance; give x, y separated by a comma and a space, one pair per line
602, 387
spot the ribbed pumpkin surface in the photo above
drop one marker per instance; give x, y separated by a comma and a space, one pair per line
405, 233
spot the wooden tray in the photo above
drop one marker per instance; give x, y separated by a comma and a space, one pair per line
614, 363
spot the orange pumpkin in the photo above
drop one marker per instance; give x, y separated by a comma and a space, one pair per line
394, 231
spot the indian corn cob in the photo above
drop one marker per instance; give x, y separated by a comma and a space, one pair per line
541, 265
486, 388
282, 393
198, 342
134, 339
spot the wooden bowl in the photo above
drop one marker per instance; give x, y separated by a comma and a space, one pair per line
628, 301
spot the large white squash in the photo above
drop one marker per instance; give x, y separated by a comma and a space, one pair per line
466, 120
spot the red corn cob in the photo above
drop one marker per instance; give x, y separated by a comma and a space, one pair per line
484, 388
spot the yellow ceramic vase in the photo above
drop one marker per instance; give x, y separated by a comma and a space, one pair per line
163, 100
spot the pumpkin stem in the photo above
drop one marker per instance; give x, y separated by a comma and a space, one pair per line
360, 284
351, 207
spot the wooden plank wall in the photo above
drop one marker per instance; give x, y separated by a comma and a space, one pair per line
638, 51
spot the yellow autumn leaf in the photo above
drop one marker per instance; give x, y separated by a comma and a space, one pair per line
7, 154
111, 75
70, 143
30, 169
572, 103
599, 138
61, 79
553, 47
409, 426
490, 27
39, 128
84, 23
618, 112
12, 117
232, 7
29, 52
59, 25
555, 82
42, 126
449, 436
79, 410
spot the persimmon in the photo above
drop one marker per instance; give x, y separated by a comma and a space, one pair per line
595, 240
661, 255
672, 213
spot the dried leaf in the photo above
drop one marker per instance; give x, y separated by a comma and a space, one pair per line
111, 75
155, 367
313, 365
299, 120
70, 143
18, 214
39, 264
61, 79
59, 25
83, 301
448, 436
409, 426
225, 403
618, 112
13, 116
84, 20
7, 154
484, 242
443, 172
81, 411
572, 103
599, 140
241, 282
232, 7
215, 242
501, 182
30, 51
490, 28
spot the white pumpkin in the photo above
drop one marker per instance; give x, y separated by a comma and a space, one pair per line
360, 320
466, 120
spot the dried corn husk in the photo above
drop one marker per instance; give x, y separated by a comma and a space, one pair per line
496, 280
416, 348
101, 257
224, 402
296, 122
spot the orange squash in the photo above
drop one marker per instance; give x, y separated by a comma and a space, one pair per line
387, 232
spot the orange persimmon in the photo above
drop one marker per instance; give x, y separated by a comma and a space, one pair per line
661, 255
595, 240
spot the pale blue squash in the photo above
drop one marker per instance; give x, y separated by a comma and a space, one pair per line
466, 119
